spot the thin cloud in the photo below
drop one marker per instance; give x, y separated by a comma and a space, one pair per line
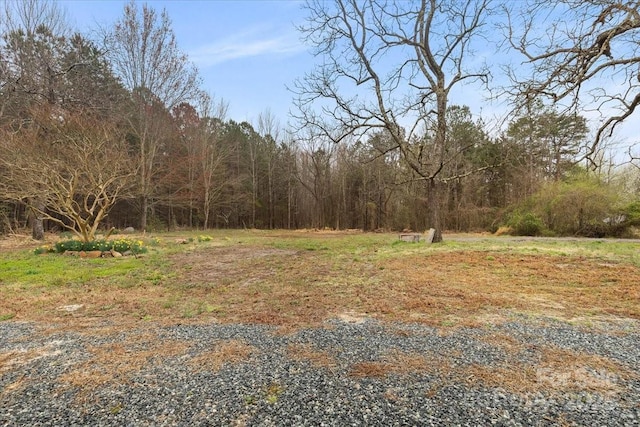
245, 45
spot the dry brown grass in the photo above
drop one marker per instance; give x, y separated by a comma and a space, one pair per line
470, 284
397, 363
118, 362
306, 352
293, 287
558, 371
225, 352
454, 287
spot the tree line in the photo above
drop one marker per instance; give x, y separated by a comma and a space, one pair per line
116, 131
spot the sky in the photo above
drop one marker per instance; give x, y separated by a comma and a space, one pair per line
249, 51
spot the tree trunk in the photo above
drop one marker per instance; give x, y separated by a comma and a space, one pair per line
433, 191
37, 223
144, 207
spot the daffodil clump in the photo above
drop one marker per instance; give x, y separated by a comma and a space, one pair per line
45, 249
119, 245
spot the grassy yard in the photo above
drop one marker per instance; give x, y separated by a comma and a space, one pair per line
297, 278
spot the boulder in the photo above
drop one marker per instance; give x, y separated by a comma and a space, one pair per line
129, 230
91, 254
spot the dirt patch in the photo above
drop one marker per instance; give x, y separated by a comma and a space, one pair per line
297, 288
225, 263
264, 285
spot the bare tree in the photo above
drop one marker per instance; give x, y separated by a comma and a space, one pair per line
144, 53
212, 153
269, 128
583, 54
314, 171
392, 66
76, 165
28, 15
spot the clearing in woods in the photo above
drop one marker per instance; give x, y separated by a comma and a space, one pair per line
294, 280
301, 278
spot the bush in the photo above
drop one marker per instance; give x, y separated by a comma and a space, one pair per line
631, 213
97, 245
580, 206
525, 224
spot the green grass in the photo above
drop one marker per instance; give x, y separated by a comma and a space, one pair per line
351, 270
28, 269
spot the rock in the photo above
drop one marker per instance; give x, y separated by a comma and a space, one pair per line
70, 308
115, 254
409, 237
129, 230
91, 254
430, 234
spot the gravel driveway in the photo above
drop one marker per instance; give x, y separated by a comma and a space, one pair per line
523, 372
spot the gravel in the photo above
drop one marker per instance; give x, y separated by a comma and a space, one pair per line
272, 385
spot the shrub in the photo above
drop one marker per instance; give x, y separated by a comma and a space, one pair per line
525, 224
582, 205
97, 245
631, 212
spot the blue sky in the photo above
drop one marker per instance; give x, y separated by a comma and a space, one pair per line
246, 51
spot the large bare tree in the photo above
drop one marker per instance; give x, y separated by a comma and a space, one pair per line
392, 65
144, 53
582, 54
77, 165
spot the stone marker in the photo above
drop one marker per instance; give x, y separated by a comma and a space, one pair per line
409, 237
430, 234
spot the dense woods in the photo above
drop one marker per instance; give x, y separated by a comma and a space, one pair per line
115, 131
